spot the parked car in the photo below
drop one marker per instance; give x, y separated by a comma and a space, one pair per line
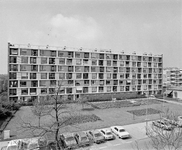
95, 136
162, 124
108, 135
82, 139
169, 121
68, 141
120, 132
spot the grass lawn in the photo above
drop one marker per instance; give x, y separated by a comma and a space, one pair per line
106, 116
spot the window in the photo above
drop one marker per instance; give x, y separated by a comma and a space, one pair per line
53, 53
13, 67
13, 84
24, 75
94, 89
108, 88
101, 69
108, 75
77, 55
93, 82
101, 62
108, 82
60, 68
33, 60
34, 52
61, 75
33, 75
51, 75
52, 82
108, 69
94, 75
33, 91
108, 56
69, 62
93, 55
24, 91
43, 60
86, 55
93, 69
85, 75
108, 62
94, 62
34, 68
34, 83
101, 76
13, 51
43, 75
42, 83
12, 91
70, 54
51, 60
115, 56
101, 56
62, 61
86, 82
53, 68
121, 88
68, 90
122, 76
77, 69
69, 76
60, 54
23, 68
85, 61
23, 83
114, 76
101, 89
86, 68
43, 90
70, 82
85, 89
42, 52
12, 75
78, 75
51, 90
24, 60
78, 61
12, 59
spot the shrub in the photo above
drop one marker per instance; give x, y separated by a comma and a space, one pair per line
4, 113
16, 106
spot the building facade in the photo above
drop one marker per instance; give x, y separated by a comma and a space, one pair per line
36, 71
172, 77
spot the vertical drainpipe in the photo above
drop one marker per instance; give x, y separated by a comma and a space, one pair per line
8, 71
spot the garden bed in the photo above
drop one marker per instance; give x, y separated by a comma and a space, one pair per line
142, 112
80, 119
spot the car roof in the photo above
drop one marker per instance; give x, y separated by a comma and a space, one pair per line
106, 129
81, 134
67, 134
119, 127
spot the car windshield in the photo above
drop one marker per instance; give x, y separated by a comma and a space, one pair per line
108, 133
14, 147
121, 130
83, 138
70, 138
97, 134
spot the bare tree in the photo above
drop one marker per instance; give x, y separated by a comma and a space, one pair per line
166, 139
59, 117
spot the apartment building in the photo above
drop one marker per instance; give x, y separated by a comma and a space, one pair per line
172, 77
36, 71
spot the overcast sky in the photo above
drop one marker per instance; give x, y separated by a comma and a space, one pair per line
152, 26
